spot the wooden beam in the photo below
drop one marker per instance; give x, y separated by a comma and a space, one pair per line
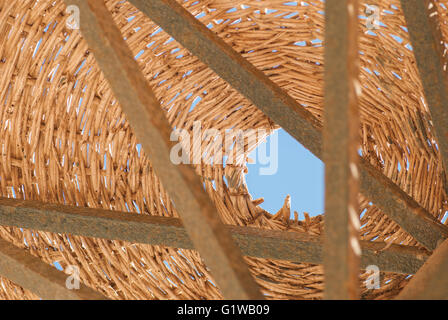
400, 207
431, 281
424, 25
142, 228
152, 128
285, 111
340, 154
40, 278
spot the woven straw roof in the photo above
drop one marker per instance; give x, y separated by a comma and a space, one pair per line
66, 140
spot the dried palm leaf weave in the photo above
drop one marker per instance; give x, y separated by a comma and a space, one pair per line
64, 138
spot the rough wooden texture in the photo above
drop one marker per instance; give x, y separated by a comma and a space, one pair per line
342, 251
425, 31
255, 242
430, 282
65, 139
286, 112
37, 276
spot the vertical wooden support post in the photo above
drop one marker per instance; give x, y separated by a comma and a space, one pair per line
341, 129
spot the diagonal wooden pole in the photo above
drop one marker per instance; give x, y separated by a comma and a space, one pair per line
341, 141
164, 231
150, 125
285, 111
431, 281
40, 278
424, 25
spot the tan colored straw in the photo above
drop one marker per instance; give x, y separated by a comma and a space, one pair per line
64, 138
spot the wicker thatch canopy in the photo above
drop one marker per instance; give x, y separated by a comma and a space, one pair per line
65, 141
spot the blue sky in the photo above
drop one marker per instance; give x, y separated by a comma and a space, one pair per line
300, 174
